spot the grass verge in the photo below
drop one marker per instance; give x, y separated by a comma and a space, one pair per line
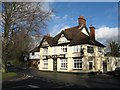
8, 75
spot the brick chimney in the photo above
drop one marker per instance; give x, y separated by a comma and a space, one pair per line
92, 32
82, 21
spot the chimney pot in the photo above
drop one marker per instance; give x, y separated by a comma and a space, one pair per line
82, 21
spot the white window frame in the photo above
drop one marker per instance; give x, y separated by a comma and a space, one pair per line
79, 62
54, 50
63, 63
64, 48
77, 48
45, 63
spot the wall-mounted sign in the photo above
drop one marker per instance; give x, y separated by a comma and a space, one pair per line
61, 56
53, 56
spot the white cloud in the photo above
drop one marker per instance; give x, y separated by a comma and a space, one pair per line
65, 16
57, 17
105, 34
60, 18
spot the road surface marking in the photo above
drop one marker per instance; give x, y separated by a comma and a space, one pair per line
24, 86
33, 86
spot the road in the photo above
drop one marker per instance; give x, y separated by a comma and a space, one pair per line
46, 80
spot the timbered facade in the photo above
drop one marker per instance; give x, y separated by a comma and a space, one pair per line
74, 49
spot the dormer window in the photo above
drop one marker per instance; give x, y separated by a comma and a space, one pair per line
63, 39
45, 43
45, 50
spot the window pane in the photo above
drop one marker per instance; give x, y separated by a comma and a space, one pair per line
63, 63
77, 63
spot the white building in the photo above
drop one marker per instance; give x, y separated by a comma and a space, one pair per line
111, 63
34, 57
72, 50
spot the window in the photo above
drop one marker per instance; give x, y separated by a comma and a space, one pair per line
32, 53
77, 48
45, 50
63, 39
99, 49
116, 63
64, 48
54, 50
78, 63
90, 65
45, 43
90, 49
45, 63
63, 63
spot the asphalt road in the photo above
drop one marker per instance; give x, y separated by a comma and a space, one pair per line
35, 79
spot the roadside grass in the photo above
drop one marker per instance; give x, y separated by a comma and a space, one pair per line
8, 75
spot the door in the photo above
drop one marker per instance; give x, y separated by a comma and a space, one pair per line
55, 64
104, 67
90, 65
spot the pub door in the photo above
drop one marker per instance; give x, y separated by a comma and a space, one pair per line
55, 64
104, 67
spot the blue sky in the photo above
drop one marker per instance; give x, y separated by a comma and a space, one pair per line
102, 15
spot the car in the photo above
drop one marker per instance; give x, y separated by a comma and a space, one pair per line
117, 71
8, 64
10, 67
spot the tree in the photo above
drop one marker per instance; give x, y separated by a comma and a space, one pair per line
25, 17
115, 49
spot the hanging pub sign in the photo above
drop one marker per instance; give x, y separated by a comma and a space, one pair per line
54, 56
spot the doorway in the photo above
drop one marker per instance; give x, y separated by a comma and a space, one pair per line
55, 64
104, 66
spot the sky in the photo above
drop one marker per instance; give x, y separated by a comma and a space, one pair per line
102, 15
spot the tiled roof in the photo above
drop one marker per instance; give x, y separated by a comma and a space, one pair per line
75, 36
49, 39
36, 49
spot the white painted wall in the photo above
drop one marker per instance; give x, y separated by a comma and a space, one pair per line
35, 56
84, 31
97, 61
111, 63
